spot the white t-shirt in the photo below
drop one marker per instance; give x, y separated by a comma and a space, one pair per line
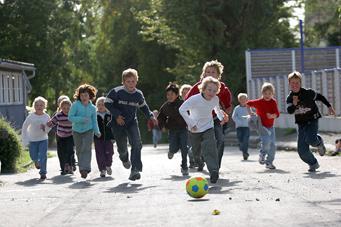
200, 112
31, 131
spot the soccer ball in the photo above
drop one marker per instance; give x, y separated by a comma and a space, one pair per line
197, 187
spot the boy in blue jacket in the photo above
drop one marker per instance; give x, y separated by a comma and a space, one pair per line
123, 102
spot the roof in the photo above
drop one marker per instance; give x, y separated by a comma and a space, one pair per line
16, 65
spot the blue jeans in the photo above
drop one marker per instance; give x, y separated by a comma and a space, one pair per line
157, 134
219, 136
268, 144
178, 140
129, 132
243, 134
307, 135
38, 153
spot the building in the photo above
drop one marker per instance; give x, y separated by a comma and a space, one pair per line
14, 89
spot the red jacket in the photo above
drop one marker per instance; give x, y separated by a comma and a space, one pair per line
225, 97
262, 108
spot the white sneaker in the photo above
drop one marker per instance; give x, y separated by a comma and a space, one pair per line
109, 170
102, 173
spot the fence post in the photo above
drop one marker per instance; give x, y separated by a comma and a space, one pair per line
293, 60
248, 71
324, 88
337, 92
337, 54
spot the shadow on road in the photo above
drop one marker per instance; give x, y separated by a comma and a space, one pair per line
279, 171
30, 182
103, 179
221, 186
62, 179
198, 200
320, 175
176, 178
81, 185
128, 188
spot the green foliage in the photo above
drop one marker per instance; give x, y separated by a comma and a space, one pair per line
10, 147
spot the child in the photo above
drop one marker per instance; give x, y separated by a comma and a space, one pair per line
103, 145
84, 125
64, 137
302, 103
155, 128
184, 89
240, 117
197, 112
267, 111
35, 134
122, 102
170, 118
215, 70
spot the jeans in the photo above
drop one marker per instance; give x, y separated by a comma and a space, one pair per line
178, 140
219, 135
205, 142
104, 152
268, 145
157, 134
307, 135
83, 143
38, 153
129, 132
243, 134
65, 151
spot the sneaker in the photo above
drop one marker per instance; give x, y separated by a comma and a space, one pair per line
36, 164
261, 159
102, 173
109, 170
134, 175
184, 172
270, 166
67, 168
201, 167
74, 168
321, 148
42, 176
313, 168
126, 164
84, 173
245, 156
63, 172
170, 155
155, 145
214, 177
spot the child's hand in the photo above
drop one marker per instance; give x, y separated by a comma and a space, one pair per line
331, 111
120, 120
225, 119
42, 127
154, 120
295, 100
49, 124
98, 134
194, 129
271, 116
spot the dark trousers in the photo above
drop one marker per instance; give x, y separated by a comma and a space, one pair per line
243, 135
178, 141
104, 152
65, 151
307, 136
129, 132
219, 136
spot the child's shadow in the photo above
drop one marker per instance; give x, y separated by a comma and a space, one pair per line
81, 185
103, 179
279, 171
320, 175
30, 182
176, 178
128, 188
62, 179
218, 188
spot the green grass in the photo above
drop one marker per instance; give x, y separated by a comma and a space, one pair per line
25, 163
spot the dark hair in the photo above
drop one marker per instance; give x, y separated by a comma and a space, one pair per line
173, 87
338, 140
85, 88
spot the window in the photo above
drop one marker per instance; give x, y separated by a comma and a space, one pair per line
11, 88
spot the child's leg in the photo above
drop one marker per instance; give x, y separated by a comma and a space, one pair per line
136, 146
219, 135
155, 139
69, 150
303, 147
100, 153
159, 133
174, 143
272, 149
265, 146
109, 151
311, 136
209, 149
240, 138
120, 135
196, 147
42, 156
182, 137
59, 152
86, 155
34, 151
245, 139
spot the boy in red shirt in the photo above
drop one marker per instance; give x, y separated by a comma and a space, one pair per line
267, 110
215, 70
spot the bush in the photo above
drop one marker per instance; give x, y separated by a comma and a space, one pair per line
10, 147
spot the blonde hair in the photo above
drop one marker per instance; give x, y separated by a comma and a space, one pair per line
295, 75
39, 99
130, 73
185, 86
64, 102
60, 99
242, 95
208, 80
214, 63
268, 87
100, 99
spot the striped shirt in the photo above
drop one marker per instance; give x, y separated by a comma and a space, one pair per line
64, 126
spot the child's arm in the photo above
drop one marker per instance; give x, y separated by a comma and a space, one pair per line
95, 123
184, 109
111, 102
222, 116
53, 121
162, 117
145, 108
226, 99
72, 114
319, 97
291, 104
235, 116
24, 135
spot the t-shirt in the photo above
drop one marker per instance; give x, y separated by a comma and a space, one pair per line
263, 107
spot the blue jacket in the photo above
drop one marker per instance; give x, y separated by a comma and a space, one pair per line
120, 101
83, 118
